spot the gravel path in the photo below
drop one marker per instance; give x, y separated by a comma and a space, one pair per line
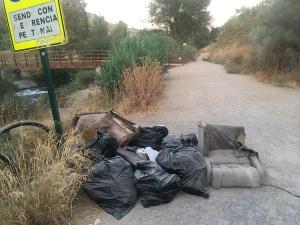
271, 115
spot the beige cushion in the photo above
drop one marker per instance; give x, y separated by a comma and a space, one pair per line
226, 156
227, 170
237, 176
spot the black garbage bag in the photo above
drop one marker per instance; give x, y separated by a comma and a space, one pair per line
184, 159
103, 145
131, 156
189, 140
111, 186
150, 137
155, 186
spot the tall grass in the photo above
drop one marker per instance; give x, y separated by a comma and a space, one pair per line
141, 86
13, 108
44, 186
236, 58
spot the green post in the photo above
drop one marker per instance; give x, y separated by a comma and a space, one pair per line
51, 93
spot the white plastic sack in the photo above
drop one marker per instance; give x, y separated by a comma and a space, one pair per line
152, 154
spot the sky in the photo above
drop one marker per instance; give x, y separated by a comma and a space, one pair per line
135, 12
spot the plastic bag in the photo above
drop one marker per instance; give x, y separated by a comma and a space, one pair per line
185, 140
151, 154
103, 145
155, 186
150, 137
131, 156
183, 158
111, 186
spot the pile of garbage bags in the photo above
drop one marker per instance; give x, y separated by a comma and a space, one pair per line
144, 163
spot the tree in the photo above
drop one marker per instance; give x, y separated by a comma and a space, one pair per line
214, 32
5, 43
276, 37
76, 23
98, 37
184, 19
119, 32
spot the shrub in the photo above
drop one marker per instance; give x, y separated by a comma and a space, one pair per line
189, 52
247, 42
82, 79
233, 68
133, 50
44, 187
61, 77
38, 77
124, 55
141, 86
5, 87
236, 58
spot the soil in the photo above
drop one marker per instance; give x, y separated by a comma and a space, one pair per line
204, 91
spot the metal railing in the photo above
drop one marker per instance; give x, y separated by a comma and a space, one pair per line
57, 59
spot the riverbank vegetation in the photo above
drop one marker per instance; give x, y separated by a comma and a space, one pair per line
262, 40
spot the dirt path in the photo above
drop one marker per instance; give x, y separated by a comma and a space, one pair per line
271, 115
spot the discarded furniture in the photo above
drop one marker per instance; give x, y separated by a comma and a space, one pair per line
87, 125
230, 163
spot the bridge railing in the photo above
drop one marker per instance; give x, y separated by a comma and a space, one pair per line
78, 55
57, 59
66, 59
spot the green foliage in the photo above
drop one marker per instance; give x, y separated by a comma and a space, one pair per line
124, 55
5, 87
77, 23
184, 19
82, 79
61, 77
133, 50
261, 38
276, 37
239, 26
98, 37
38, 77
215, 31
119, 32
5, 43
233, 68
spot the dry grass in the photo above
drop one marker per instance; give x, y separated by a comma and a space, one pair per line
141, 87
290, 80
236, 58
100, 101
12, 109
42, 191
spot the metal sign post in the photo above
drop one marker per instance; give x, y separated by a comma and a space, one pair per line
51, 93
37, 24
